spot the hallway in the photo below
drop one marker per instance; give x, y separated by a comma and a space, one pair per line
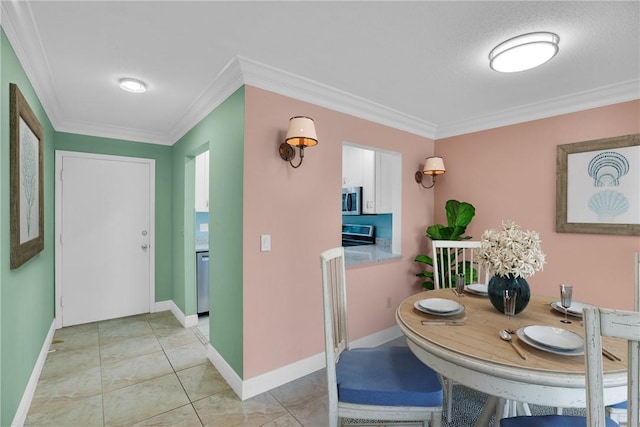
148, 370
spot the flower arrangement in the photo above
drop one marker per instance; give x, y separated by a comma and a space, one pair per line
511, 251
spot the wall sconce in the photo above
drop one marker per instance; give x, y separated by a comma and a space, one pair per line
301, 133
432, 166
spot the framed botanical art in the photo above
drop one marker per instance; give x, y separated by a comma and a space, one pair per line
598, 186
26, 180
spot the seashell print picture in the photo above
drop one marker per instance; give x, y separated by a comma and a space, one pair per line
598, 189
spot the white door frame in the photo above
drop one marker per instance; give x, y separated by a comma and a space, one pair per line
58, 221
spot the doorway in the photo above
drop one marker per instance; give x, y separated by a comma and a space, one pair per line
105, 228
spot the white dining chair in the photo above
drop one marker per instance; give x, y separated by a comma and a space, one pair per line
451, 257
618, 412
598, 323
382, 383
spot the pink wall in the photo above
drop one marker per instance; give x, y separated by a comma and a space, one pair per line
509, 173
300, 209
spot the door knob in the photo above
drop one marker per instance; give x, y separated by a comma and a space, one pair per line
144, 247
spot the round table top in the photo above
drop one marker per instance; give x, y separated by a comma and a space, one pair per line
476, 344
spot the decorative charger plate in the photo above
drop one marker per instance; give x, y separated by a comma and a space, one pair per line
419, 307
554, 337
532, 343
477, 288
574, 310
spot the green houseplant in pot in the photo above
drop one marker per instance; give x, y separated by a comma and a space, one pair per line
459, 216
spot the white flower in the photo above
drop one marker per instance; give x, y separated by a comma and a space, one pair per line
511, 251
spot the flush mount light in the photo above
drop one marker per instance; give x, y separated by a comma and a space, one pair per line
524, 52
133, 85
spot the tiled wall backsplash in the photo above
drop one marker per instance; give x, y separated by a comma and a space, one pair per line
202, 228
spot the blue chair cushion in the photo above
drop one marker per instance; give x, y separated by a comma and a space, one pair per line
388, 376
550, 421
621, 405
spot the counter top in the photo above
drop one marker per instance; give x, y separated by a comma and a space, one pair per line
202, 248
366, 254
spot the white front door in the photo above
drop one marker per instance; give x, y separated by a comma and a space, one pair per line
104, 237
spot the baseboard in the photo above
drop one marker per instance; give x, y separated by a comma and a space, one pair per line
186, 321
227, 372
377, 338
29, 391
272, 379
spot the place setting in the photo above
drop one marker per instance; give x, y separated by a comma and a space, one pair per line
441, 307
479, 289
552, 340
568, 307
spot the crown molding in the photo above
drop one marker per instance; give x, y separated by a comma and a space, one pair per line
291, 85
599, 97
114, 132
223, 86
17, 14
241, 70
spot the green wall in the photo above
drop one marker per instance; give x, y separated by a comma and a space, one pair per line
162, 155
26, 293
223, 131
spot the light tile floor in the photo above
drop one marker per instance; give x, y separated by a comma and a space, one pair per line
148, 370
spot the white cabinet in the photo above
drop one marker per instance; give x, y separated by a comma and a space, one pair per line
353, 160
387, 173
374, 171
202, 182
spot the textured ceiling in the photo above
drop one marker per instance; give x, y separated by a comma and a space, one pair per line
418, 66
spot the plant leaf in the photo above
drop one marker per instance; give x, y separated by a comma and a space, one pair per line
437, 232
459, 213
424, 259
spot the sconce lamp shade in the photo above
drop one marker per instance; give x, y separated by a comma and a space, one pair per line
301, 132
433, 166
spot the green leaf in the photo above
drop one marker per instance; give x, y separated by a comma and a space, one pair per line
436, 232
459, 213
456, 232
466, 212
451, 209
425, 273
424, 259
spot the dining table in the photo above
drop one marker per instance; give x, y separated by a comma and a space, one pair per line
466, 347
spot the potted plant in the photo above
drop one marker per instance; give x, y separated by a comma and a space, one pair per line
459, 215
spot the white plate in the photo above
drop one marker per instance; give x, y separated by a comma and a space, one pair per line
439, 305
554, 337
435, 313
574, 310
477, 288
525, 339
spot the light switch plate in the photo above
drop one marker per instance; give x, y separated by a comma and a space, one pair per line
265, 242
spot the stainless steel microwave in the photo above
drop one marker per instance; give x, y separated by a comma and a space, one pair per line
352, 201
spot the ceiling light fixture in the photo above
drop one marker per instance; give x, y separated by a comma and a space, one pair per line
133, 85
524, 52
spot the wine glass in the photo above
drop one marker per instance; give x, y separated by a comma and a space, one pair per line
565, 300
509, 301
460, 281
